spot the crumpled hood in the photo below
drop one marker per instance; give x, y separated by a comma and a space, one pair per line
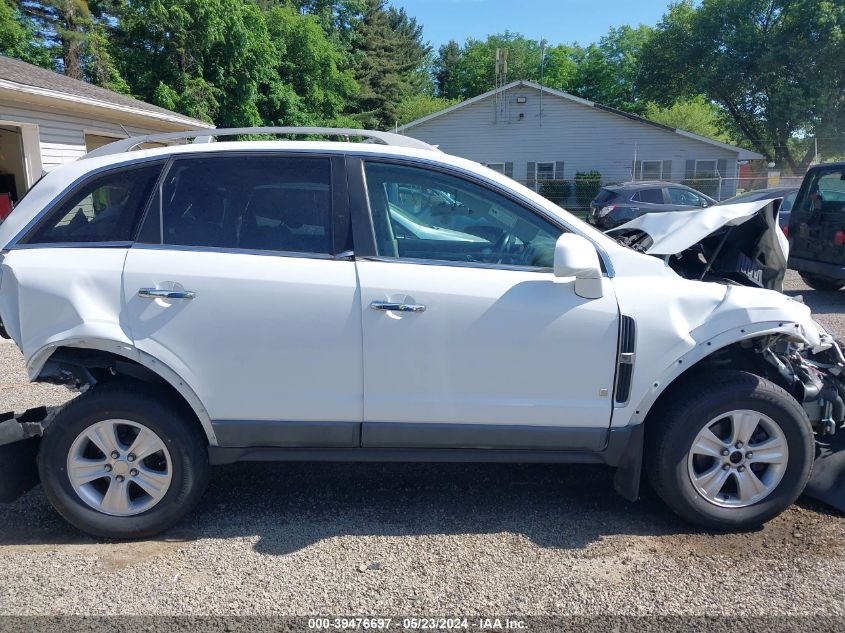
676, 231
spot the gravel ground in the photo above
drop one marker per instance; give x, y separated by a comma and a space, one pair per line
272, 539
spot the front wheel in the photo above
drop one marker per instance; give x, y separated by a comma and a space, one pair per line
730, 451
819, 282
122, 461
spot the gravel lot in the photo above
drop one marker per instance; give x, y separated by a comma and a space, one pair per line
420, 540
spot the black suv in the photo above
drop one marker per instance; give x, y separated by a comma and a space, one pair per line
817, 228
617, 204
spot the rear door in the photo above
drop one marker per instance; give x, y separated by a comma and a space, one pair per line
818, 217
238, 284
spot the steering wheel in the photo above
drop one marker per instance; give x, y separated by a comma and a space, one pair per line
504, 245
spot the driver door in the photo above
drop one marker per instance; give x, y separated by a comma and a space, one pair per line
469, 339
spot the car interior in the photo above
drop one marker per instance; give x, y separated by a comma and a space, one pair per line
266, 204
511, 235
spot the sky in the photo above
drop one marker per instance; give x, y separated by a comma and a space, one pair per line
559, 21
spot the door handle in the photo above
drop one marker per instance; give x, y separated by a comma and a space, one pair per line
158, 293
390, 306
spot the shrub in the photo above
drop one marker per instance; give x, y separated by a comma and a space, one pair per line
706, 183
587, 186
558, 191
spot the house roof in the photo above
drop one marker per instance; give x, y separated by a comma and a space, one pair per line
20, 77
742, 154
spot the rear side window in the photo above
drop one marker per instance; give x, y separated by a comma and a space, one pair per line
605, 196
825, 193
651, 196
272, 203
105, 209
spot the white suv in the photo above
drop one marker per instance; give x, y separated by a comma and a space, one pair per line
383, 301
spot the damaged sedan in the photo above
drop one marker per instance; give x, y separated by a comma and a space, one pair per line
318, 300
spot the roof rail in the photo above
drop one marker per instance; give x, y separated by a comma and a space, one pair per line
207, 136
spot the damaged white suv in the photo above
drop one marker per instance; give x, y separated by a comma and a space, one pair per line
383, 301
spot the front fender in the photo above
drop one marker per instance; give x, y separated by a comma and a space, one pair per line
705, 348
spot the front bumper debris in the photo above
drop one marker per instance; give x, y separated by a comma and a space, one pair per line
20, 436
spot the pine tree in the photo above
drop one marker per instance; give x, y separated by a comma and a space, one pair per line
391, 60
446, 70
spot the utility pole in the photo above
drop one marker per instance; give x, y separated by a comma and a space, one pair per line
542, 73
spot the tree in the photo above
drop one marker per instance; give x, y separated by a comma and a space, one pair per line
464, 72
476, 70
390, 55
417, 106
696, 115
313, 89
606, 72
446, 70
210, 59
776, 67
72, 34
415, 52
18, 37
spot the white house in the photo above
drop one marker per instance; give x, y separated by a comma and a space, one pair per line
47, 119
533, 133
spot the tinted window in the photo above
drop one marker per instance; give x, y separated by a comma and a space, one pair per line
605, 195
423, 214
825, 193
684, 197
788, 201
106, 209
252, 202
652, 196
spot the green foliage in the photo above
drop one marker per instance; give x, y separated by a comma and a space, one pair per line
587, 186
607, 71
17, 35
604, 72
419, 105
446, 69
558, 191
697, 115
390, 57
314, 87
214, 56
777, 68
706, 182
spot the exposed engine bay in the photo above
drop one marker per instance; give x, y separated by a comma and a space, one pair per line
737, 244
742, 244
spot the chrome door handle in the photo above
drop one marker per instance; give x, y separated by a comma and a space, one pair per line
157, 293
390, 306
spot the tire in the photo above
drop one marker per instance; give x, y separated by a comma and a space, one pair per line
703, 401
818, 282
181, 462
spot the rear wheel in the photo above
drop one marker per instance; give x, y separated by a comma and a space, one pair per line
121, 461
731, 451
819, 282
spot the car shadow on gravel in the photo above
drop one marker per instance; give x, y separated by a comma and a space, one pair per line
292, 506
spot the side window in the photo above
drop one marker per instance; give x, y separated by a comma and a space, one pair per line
684, 197
651, 196
275, 203
106, 209
423, 214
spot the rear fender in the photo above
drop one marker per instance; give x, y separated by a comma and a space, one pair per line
36, 363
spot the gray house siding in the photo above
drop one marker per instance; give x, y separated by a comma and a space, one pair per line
508, 128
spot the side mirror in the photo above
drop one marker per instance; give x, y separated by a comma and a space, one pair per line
575, 256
